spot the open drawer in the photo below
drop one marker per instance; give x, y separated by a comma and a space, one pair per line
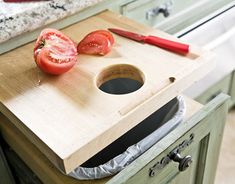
68, 117
199, 136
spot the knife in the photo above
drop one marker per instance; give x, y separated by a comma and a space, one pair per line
173, 46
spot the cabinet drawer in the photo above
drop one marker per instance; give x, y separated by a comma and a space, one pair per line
140, 10
181, 13
207, 127
168, 172
223, 86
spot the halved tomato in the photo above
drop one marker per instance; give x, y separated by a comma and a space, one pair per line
54, 52
97, 43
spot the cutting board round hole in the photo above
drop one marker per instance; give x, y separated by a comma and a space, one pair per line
120, 79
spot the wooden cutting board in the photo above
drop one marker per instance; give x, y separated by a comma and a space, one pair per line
68, 117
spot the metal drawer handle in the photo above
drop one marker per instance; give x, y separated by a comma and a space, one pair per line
165, 9
174, 155
184, 162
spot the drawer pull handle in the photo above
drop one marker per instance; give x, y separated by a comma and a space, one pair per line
165, 9
184, 162
174, 155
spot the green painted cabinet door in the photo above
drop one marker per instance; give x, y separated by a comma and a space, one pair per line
198, 137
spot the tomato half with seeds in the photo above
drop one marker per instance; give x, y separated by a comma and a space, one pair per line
54, 52
106, 33
96, 43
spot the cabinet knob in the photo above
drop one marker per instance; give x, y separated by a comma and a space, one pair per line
174, 155
184, 162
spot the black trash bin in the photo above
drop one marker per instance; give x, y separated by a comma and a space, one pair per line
136, 141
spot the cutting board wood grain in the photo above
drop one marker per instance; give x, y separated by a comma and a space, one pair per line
68, 117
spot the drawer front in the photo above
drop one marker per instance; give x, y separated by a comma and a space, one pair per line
207, 129
151, 12
170, 15
222, 86
202, 150
169, 173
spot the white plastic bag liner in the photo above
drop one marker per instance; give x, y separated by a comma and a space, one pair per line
171, 119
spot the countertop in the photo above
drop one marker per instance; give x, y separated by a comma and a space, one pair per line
18, 18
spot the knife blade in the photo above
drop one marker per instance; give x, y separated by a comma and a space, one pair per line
173, 46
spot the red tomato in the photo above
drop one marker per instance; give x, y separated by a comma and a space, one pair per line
97, 43
105, 33
54, 52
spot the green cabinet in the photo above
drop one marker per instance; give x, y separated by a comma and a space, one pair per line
206, 126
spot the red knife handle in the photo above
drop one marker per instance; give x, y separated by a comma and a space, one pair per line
167, 44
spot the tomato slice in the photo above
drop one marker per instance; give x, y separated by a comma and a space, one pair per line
54, 52
106, 34
96, 44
